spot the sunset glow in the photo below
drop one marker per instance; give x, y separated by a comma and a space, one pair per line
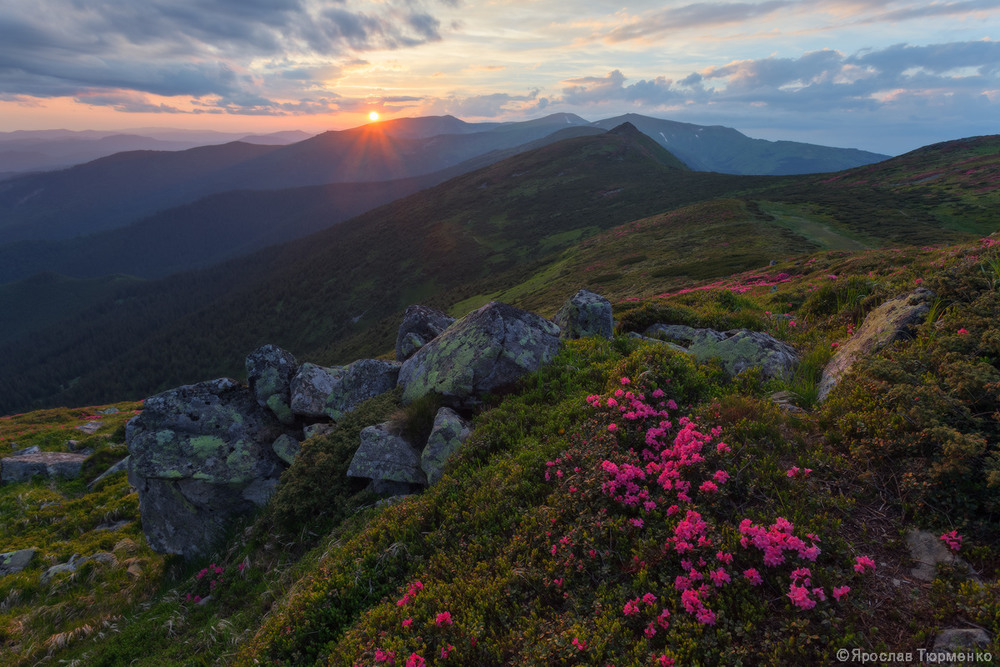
373, 116
865, 73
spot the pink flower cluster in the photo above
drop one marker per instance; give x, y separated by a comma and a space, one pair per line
953, 540
411, 593
862, 563
795, 471
776, 540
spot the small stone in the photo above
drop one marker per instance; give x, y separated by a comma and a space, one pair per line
960, 640
287, 448
322, 428
584, 315
447, 435
386, 456
46, 464
90, 427
420, 326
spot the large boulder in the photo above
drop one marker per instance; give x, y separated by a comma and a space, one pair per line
22, 467
420, 326
736, 350
386, 456
269, 374
447, 435
584, 315
199, 456
489, 348
319, 392
893, 320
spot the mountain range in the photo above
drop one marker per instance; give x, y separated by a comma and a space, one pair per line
504, 229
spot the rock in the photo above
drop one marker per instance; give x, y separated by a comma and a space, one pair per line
287, 448
34, 449
109, 411
420, 326
200, 455
90, 427
447, 435
489, 348
682, 334
312, 430
958, 640
13, 562
75, 563
73, 445
737, 350
387, 457
893, 320
269, 374
319, 392
647, 339
118, 467
47, 464
928, 551
584, 315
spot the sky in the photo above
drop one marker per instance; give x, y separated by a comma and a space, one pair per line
882, 75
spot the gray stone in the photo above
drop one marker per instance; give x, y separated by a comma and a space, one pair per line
447, 435
420, 326
13, 562
386, 456
109, 411
45, 464
34, 449
928, 551
960, 640
287, 448
682, 334
893, 320
90, 427
319, 392
584, 315
75, 563
488, 349
312, 430
116, 468
200, 455
269, 374
647, 339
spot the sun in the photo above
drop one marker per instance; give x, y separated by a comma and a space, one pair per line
373, 116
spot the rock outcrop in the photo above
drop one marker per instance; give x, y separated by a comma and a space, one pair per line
201, 455
584, 315
22, 467
386, 456
447, 435
420, 326
489, 348
893, 320
736, 350
269, 374
319, 392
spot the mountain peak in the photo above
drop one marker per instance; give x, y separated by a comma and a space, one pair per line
626, 129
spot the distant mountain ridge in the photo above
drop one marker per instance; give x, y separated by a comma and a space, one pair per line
118, 190
512, 229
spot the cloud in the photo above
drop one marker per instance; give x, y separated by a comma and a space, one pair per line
697, 15
611, 88
198, 48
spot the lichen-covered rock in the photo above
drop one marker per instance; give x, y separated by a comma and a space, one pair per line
22, 467
319, 392
951, 641
736, 350
584, 315
647, 339
447, 435
928, 551
487, 349
269, 374
385, 456
893, 320
740, 350
200, 455
420, 326
287, 448
15, 561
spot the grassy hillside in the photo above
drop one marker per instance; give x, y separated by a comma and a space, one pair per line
532, 550
503, 230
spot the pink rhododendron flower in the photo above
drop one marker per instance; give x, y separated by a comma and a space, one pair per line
863, 562
953, 540
444, 618
840, 592
963, 332
415, 661
612, 427
580, 645
753, 576
407, 622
